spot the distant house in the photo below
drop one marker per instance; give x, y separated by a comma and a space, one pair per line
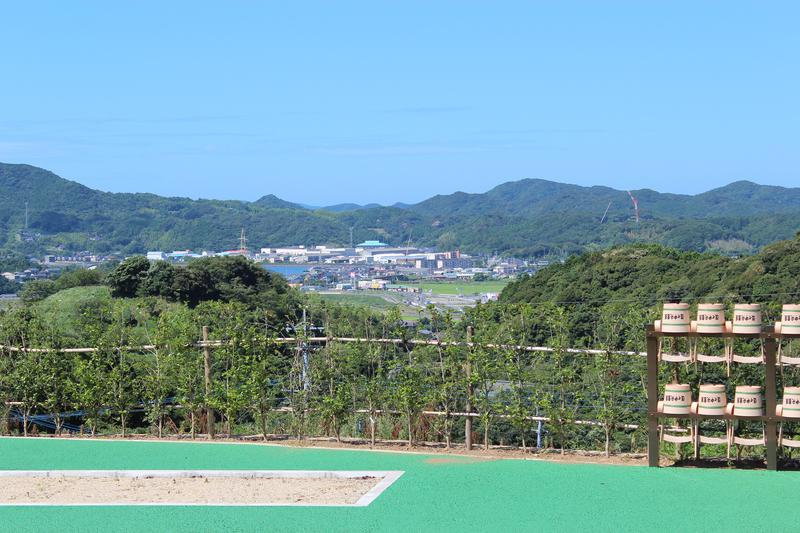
402, 288
373, 284
156, 256
372, 244
182, 255
489, 297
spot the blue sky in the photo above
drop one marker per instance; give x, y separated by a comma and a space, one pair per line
326, 102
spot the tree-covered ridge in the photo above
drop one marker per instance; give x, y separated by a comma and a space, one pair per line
646, 275
526, 218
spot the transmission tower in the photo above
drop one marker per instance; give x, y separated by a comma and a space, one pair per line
243, 243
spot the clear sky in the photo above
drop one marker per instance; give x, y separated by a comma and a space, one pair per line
326, 102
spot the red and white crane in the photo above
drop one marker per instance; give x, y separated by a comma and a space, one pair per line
635, 206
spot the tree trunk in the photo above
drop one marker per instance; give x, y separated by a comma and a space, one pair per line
191, 424
25, 423
371, 431
160, 426
486, 435
608, 441
122, 421
410, 433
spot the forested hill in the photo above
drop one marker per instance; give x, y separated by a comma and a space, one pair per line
642, 276
527, 217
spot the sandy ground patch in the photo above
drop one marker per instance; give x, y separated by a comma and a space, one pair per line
192, 489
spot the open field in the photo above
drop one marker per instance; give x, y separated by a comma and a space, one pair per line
382, 301
362, 298
462, 287
436, 492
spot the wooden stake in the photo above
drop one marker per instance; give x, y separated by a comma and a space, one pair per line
771, 424
652, 398
207, 367
468, 371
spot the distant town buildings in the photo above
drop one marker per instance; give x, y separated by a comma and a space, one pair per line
31, 274
371, 265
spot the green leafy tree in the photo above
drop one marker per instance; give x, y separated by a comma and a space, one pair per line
126, 280
37, 290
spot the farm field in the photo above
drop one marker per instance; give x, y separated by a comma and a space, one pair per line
435, 492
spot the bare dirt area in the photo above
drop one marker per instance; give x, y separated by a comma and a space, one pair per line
458, 453
476, 454
195, 490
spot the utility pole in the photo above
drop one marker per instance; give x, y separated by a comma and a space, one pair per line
306, 383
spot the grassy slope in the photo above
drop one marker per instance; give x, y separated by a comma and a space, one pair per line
64, 307
441, 493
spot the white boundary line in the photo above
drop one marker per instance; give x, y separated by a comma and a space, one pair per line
387, 478
390, 477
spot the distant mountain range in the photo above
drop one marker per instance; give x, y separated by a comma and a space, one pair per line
527, 217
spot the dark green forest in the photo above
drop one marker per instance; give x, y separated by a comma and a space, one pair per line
526, 218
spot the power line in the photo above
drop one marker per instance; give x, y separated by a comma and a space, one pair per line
652, 300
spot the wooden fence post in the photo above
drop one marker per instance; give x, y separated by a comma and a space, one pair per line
771, 423
652, 398
468, 371
207, 368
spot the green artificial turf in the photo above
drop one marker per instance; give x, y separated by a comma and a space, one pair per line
436, 493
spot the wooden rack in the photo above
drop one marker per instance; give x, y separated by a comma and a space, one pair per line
770, 419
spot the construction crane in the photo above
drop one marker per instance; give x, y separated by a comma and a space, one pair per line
635, 206
605, 213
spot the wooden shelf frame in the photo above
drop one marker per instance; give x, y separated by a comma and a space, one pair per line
770, 420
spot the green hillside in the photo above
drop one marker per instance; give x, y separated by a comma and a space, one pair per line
642, 276
528, 217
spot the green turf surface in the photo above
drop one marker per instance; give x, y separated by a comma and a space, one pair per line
436, 493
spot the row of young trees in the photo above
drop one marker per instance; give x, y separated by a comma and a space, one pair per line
361, 389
